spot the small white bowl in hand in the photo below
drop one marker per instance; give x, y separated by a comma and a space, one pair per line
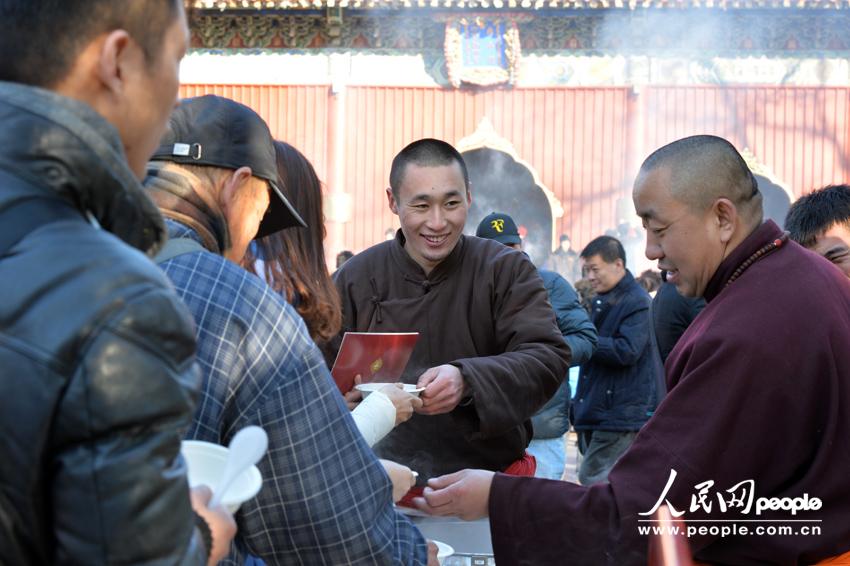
206, 462
443, 550
367, 388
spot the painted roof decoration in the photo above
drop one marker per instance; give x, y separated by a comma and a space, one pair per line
731, 33
224, 5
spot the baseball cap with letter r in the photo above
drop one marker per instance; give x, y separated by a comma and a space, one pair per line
500, 227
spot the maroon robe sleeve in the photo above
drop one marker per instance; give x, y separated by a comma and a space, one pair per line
745, 408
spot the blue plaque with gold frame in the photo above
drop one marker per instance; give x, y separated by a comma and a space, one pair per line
482, 50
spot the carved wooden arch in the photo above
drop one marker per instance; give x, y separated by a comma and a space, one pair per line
486, 137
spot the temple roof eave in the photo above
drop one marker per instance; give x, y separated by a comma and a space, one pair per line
297, 5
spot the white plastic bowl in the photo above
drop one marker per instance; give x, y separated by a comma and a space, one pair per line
443, 550
206, 463
367, 388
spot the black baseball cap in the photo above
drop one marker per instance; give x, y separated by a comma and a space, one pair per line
500, 227
217, 131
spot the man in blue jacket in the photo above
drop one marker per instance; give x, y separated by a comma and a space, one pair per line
552, 421
618, 387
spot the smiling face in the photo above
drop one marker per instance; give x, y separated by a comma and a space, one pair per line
686, 244
432, 205
834, 245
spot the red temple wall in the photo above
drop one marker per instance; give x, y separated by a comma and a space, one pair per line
585, 143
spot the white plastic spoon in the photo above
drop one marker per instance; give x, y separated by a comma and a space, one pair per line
246, 448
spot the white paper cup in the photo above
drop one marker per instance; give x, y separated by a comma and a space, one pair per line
367, 388
206, 463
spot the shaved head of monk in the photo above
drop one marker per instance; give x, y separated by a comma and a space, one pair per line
698, 200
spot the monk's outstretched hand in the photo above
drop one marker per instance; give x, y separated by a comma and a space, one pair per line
464, 494
444, 388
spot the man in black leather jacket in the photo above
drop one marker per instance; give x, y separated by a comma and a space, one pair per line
97, 379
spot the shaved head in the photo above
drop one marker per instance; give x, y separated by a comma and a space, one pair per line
698, 201
703, 169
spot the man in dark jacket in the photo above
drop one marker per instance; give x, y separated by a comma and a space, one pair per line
564, 261
97, 380
553, 420
671, 315
617, 388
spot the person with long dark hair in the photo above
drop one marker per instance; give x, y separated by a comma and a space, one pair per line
293, 261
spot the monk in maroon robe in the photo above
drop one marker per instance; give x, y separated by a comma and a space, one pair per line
751, 446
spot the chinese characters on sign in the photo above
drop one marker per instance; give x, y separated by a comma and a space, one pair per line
483, 43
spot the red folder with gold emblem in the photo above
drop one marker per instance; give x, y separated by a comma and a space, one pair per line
374, 356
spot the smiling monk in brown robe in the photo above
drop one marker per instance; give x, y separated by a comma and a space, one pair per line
754, 430
489, 354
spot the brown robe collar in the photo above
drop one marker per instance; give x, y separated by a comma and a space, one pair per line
414, 273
